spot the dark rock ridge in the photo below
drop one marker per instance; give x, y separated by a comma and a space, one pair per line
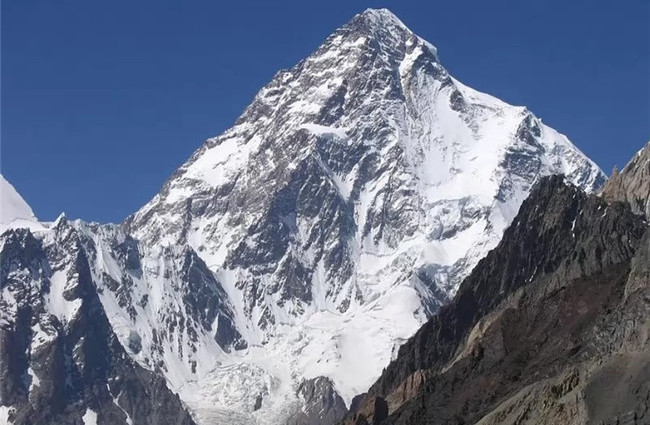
59, 358
551, 327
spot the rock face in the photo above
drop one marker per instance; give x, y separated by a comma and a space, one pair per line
60, 361
553, 326
342, 209
632, 184
321, 403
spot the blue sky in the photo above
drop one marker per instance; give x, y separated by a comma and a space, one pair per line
102, 101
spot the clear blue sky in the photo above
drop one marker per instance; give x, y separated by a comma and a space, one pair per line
103, 100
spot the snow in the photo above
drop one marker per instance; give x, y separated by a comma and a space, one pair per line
435, 169
129, 421
40, 337
14, 211
90, 417
34, 380
58, 305
323, 130
13, 206
342, 185
5, 411
216, 164
327, 344
336, 340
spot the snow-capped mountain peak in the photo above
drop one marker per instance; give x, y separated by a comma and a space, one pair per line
350, 198
383, 29
339, 212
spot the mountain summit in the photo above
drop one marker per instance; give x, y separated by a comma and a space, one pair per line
341, 210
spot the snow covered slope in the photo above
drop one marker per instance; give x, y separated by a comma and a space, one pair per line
339, 212
60, 360
14, 211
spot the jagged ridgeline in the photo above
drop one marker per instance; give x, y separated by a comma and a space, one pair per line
277, 271
552, 326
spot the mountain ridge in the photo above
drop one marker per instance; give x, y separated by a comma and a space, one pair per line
570, 315
340, 211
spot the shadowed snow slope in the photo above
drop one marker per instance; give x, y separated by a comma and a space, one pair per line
341, 210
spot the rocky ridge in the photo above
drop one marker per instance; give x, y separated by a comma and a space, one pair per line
632, 184
551, 327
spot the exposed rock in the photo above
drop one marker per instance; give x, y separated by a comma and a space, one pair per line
632, 184
544, 329
59, 357
321, 403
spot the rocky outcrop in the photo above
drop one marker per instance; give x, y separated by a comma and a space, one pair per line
543, 329
632, 184
321, 404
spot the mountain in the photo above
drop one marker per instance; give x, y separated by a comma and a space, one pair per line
60, 360
14, 211
552, 326
348, 201
339, 213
